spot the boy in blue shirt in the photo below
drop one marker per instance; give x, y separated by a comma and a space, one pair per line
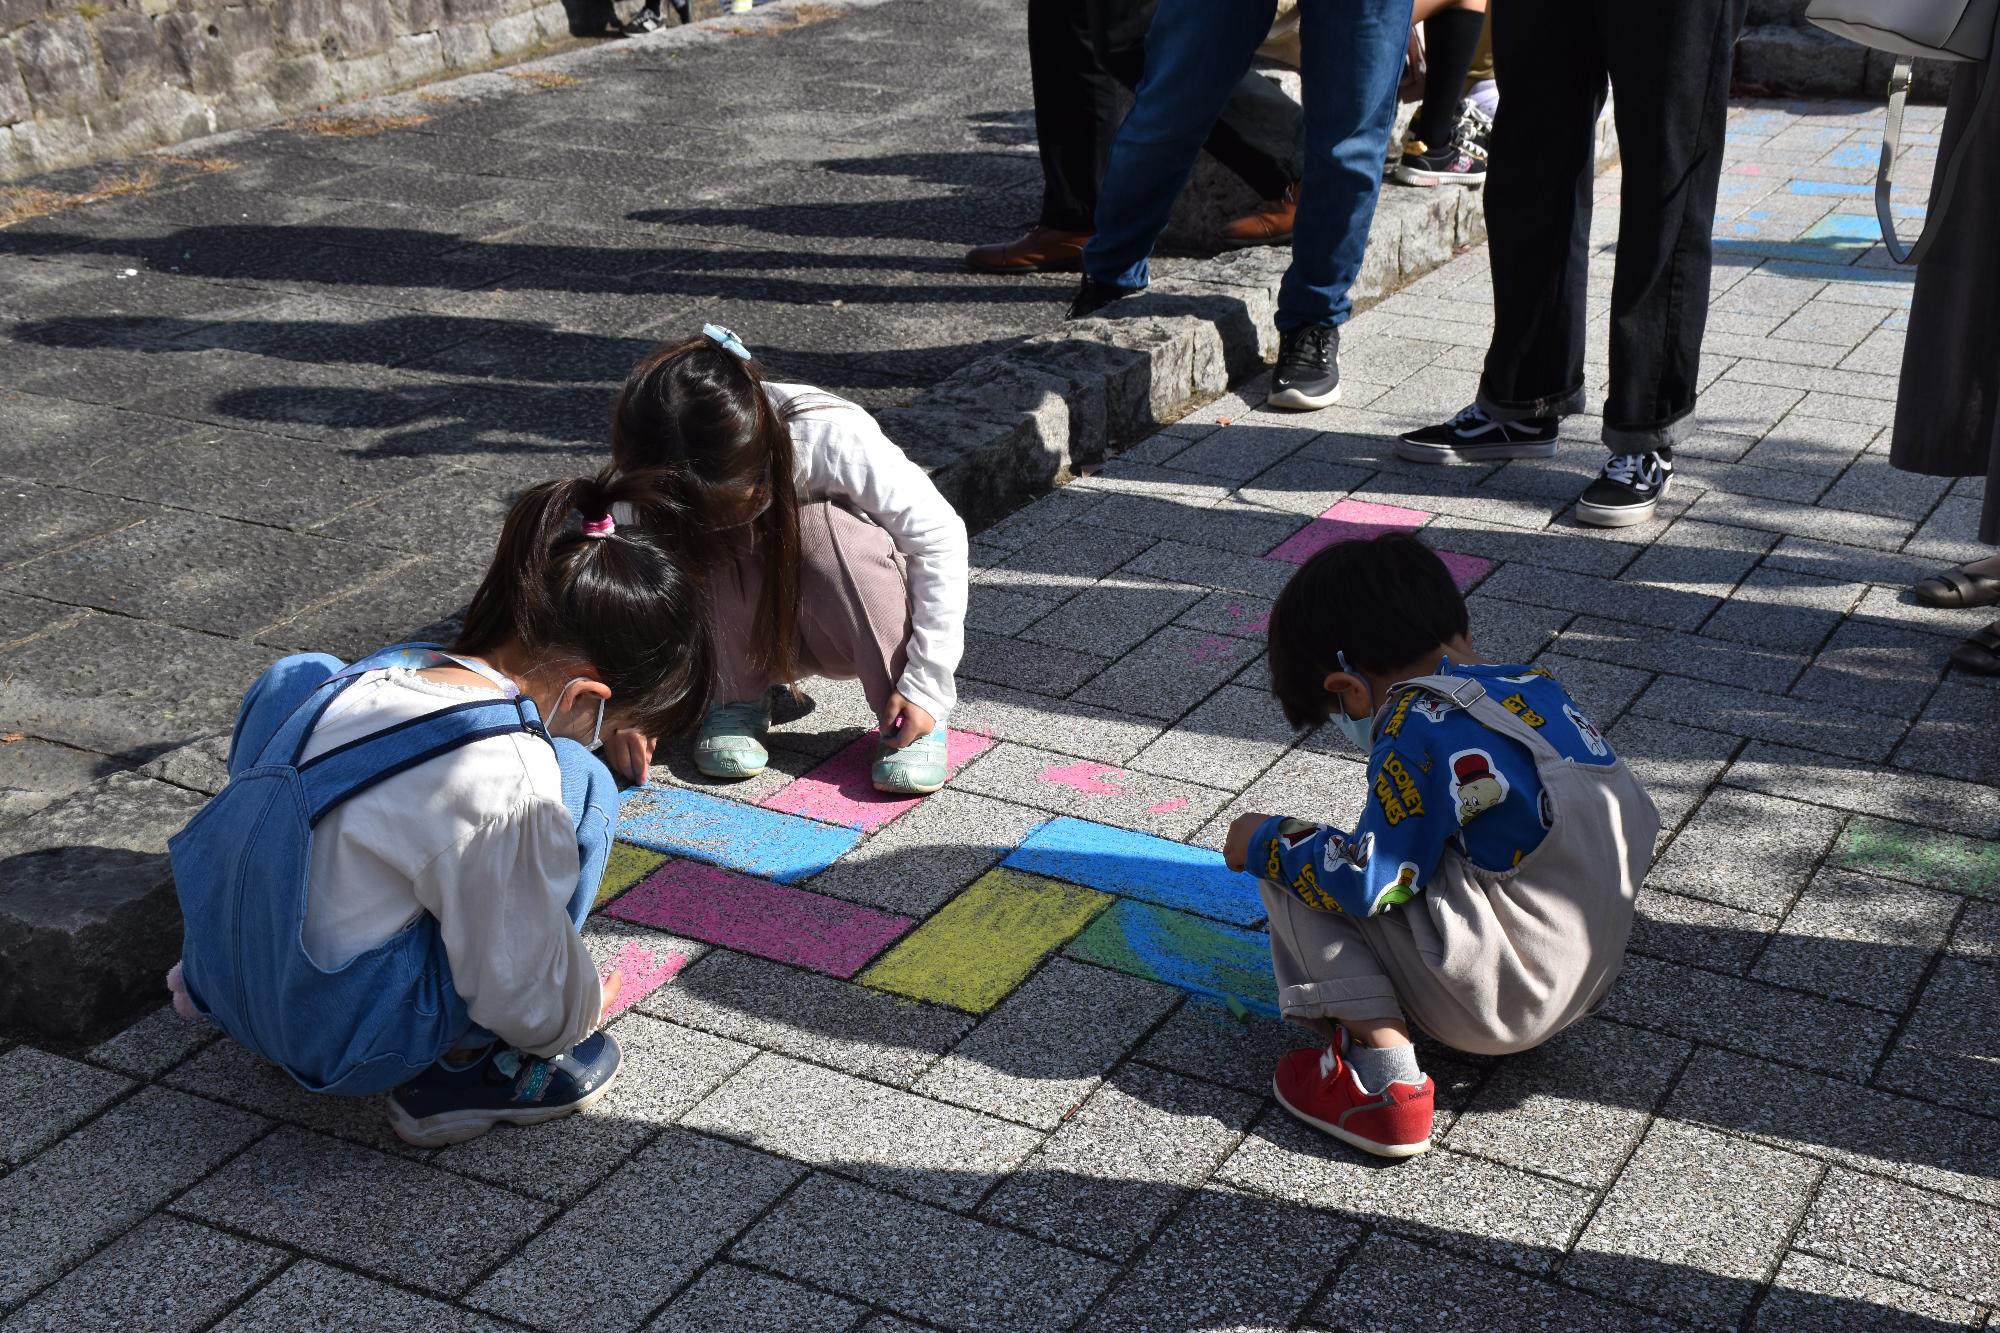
1486, 892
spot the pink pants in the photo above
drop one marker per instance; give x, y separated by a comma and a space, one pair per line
854, 608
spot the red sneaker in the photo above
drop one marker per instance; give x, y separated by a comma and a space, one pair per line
1319, 1088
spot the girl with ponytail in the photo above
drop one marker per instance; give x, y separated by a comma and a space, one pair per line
387, 895
826, 550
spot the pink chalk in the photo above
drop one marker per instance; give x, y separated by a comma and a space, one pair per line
839, 791
753, 916
1350, 520
1466, 570
1168, 806
645, 972
1212, 648
1086, 777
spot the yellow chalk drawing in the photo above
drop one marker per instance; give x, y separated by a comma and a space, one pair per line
982, 944
627, 866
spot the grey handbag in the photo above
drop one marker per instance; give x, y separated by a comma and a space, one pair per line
1964, 30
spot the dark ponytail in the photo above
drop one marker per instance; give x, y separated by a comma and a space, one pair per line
620, 602
697, 416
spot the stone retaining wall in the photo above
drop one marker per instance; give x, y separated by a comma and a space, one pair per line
86, 80
1782, 53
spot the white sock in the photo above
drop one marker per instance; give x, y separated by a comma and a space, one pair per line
1376, 1067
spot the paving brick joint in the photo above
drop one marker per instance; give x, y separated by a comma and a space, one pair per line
998, 1058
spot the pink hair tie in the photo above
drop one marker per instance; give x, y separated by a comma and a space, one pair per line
599, 527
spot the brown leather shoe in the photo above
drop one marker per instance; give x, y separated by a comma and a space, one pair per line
1043, 250
1270, 224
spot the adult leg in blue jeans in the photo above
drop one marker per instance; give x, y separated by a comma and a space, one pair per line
1351, 56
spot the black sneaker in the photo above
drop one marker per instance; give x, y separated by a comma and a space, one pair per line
503, 1086
1627, 491
646, 20
1092, 296
1308, 373
1447, 164
1475, 130
1474, 437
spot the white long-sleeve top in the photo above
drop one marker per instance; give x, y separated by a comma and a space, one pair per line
480, 839
839, 452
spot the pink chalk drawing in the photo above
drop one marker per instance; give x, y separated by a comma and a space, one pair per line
754, 916
1350, 520
1466, 570
1212, 648
645, 972
840, 792
1168, 806
1085, 777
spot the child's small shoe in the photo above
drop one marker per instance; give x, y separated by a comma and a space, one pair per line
502, 1087
1320, 1088
727, 746
917, 769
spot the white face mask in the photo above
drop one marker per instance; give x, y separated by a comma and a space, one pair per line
596, 741
1360, 731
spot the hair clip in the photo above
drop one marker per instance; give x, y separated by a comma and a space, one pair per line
726, 340
599, 527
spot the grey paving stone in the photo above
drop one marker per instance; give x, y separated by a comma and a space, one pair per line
941, 1154
399, 1220
729, 1299
42, 519
1204, 1040
163, 1276
1308, 783
1693, 1224
1041, 667
1897, 606
51, 1097
1462, 1203
1749, 1017
1951, 533
105, 1177
1038, 1056
1741, 408
227, 1072
1871, 486
1810, 1293
921, 860
1822, 524
1694, 655
1701, 934
1950, 1049
1105, 1181
863, 1032
1808, 444
628, 1245
1446, 495
1858, 938
1168, 674
1206, 1271
922, 1262
1066, 559
1666, 608
1180, 562
1229, 738
1746, 851
992, 610
1226, 526
1596, 551
1978, 932
1740, 712
1574, 1107
1112, 617
1882, 1227
1391, 1284
1304, 486
1009, 715
1601, 690
1717, 474
667, 1070
1229, 613
1031, 524
449, 510
1699, 558
1938, 803
154, 1044
1828, 559
1955, 736
1089, 790
1504, 631
1880, 668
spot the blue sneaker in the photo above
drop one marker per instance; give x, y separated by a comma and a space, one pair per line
728, 746
915, 770
503, 1086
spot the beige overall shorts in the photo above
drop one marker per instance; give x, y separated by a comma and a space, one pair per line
1486, 961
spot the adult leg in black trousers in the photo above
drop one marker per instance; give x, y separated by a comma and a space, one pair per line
1669, 66
1080, 53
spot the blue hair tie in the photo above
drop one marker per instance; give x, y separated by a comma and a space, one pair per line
726, 340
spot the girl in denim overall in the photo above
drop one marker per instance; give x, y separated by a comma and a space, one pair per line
387, 895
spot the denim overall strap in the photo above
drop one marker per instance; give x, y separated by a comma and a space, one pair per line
288, 742
346, 772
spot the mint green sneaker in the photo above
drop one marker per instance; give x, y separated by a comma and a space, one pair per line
915, 770
728, 746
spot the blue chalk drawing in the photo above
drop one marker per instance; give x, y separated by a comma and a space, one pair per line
1204, 957
1138, 865
742, 837
1851, 228
1862, 155
1811, 188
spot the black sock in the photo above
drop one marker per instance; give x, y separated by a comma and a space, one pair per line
1450, 39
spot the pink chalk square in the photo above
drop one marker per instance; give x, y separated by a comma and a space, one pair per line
1348, 521
839, 790
1466, 570
644, 971
757, 917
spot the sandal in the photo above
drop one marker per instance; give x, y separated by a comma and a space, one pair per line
1980, 654
1957, 588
